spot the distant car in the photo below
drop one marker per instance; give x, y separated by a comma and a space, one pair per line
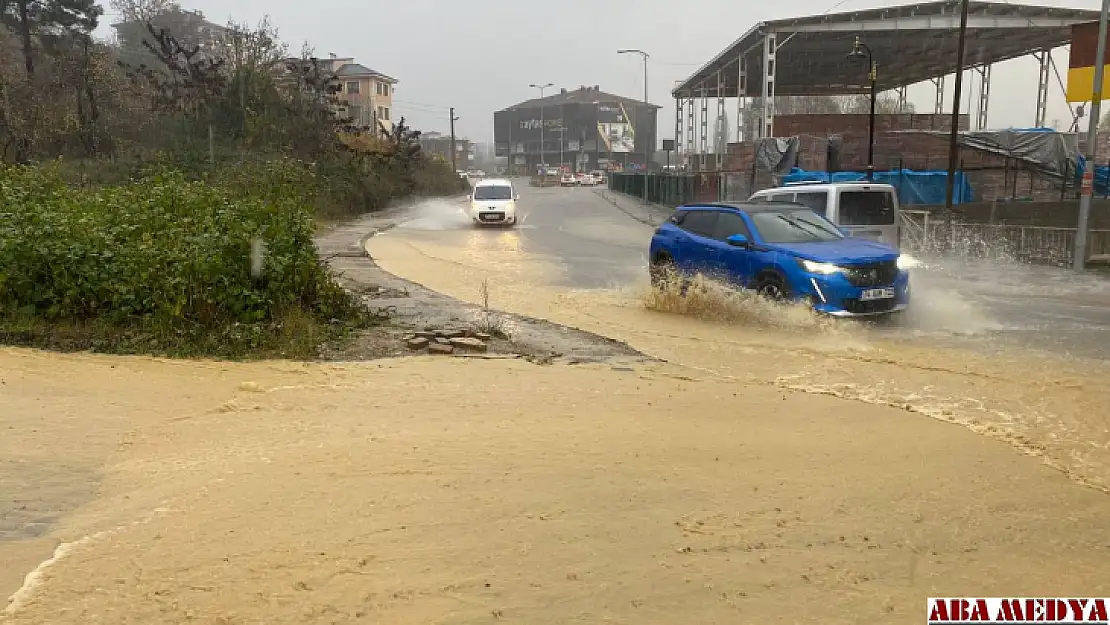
781, 251
568, 180
599, 176
586, 180
493, 201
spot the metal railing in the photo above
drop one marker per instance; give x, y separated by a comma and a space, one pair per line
1041, 245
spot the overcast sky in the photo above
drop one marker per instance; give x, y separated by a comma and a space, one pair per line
480, 55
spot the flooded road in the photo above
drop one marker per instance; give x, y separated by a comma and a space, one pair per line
770, 459
988, 306
973, 352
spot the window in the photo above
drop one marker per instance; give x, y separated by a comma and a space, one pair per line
782, 197
729, 224
383, 88
381, 113
700, 222
386, 111
355, 112
817, 200
352, 87
866, 208
493, 192
794, 226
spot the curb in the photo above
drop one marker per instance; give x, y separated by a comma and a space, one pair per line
605, 195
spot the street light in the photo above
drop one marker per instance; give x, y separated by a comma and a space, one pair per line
861, 50
647, 147
543, 161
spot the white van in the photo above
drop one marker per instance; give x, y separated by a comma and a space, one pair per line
493, 201
862, 209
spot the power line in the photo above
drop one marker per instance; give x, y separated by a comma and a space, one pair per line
433, 106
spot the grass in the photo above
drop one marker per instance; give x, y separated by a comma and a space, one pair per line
293, 336
169, 266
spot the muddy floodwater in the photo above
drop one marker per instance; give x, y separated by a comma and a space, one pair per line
768, 466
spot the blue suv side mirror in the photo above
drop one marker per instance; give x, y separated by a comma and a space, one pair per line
738, 240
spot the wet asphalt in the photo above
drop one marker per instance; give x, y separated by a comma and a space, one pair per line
980, 305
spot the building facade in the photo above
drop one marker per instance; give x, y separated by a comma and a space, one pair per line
438, 146
366, 95
580, 130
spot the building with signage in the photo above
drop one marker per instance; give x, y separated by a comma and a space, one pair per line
581, 130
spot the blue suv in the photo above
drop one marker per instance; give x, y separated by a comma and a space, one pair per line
782, 251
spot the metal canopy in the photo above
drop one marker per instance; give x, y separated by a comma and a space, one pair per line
910, 43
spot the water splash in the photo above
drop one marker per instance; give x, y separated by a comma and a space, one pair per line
438, 215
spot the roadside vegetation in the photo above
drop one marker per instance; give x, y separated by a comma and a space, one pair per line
160, 194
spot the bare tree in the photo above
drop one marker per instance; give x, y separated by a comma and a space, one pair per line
885, 104
141, 11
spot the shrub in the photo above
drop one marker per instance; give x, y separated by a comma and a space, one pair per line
165, 253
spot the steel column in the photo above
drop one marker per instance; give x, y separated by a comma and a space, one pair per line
678, 126
984, 95
720, 141
741, 100
1045, 59
901, 99
689, 130
767, 118
703, 138
938, 107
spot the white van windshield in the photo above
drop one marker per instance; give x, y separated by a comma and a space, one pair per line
866, 208
493, 192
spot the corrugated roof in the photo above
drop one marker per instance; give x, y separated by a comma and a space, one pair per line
582, 95
911, 43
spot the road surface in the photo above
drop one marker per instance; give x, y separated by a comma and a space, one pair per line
765, 466
594, 245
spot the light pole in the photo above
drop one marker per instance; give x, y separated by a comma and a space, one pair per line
543, 164
859, 51
954, 128
647, 146
1080, 260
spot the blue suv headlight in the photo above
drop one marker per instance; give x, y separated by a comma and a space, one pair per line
825, 269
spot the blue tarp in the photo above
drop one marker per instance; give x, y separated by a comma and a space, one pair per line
914, 187
1102, 176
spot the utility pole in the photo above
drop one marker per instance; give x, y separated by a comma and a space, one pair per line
647, 114
1092, 144
454, 119
954, 135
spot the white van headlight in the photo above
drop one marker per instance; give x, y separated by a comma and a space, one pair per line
821, 268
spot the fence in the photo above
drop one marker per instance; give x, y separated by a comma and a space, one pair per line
923, 231
669, 189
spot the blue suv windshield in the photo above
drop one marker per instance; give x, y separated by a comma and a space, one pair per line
794, 226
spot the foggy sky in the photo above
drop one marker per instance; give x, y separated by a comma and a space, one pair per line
481, 55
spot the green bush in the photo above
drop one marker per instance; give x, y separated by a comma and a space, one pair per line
166, 253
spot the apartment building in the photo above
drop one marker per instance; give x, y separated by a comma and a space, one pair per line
367, 94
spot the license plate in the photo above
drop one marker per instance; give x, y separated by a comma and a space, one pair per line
869, 295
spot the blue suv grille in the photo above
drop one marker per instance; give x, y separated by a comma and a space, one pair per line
873, 274
856, 307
